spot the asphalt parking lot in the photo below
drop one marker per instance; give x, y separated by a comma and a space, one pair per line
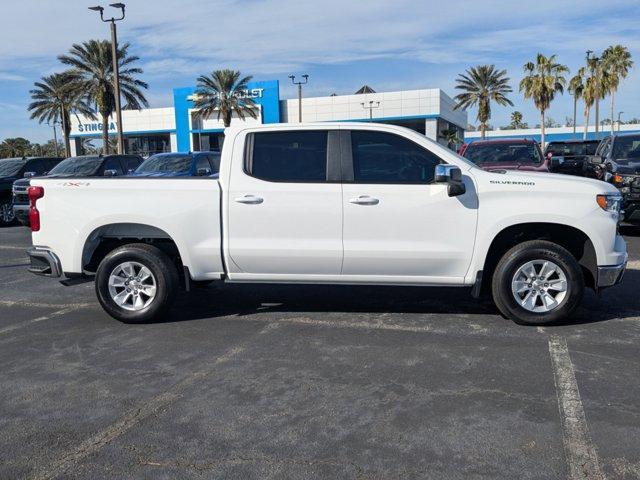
314, 382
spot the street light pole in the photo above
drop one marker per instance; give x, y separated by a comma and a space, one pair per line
299, 84
370, 107
55, 138
116, 70
619, 114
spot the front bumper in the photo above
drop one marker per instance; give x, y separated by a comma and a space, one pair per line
22, 213
44, 262
610, 275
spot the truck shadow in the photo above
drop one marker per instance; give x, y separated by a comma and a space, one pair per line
249, 299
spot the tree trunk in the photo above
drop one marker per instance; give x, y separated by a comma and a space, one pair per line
597, 116
612, 110
575, 106
542, 130
483, 129
105, 132
66, 130
586, 123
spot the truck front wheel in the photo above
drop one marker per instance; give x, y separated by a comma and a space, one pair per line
537, 282
136, 283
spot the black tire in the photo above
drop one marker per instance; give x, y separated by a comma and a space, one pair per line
166, 282
518, 256
7, 217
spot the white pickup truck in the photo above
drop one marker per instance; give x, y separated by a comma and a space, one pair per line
339, 203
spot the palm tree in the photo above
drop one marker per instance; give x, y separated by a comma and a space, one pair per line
617, 63
482, 84
224, 92
600, 83
516, 121
54, 99
576, 89
451, 136
15, 147
92, 72
544, 78
589, 97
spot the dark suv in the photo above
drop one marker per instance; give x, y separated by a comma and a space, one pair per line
83, 166
12, 169
568, 157
617, 161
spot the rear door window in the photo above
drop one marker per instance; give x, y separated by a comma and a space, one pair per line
203, 164
130, 163
296, 156
113, 164
36, 166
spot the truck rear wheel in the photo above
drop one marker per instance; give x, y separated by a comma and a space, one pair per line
537, 282
136, 283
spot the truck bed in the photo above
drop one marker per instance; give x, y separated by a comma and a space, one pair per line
75, 211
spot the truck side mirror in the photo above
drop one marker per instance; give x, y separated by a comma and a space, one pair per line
452, 176
29, 174
110, 173
204, 172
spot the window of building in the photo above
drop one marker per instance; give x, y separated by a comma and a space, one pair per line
299, 156
380, 157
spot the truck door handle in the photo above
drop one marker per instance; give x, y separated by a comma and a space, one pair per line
364, 200
249, 199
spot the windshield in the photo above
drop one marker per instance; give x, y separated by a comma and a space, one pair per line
627, 148
559, 149
10, 167
514, 153
161, 163
77, 166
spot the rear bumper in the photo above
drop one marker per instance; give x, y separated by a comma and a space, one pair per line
610, 275
44, 262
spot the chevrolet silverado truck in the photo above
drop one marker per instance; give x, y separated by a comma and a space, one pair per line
336, 203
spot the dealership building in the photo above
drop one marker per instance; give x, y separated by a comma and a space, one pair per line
553, 134
180, 128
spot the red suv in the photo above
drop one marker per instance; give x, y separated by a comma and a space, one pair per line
512, 154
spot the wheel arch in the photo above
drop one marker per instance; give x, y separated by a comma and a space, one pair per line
571, 238
107, 237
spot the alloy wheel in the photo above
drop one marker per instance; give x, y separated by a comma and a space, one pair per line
132, 286
539, 286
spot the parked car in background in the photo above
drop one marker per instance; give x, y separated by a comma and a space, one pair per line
618, 162
568, 156
345, 203
508, 154
190, 164
12, 169
82, 166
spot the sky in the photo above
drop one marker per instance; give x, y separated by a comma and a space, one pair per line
341, 44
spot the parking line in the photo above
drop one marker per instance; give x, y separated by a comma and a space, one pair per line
579, 449
18, 326
14, 247
18, 303
136, 415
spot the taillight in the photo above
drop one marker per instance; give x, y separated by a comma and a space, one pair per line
34, 215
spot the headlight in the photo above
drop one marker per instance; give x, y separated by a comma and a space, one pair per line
610, 202
623, 180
